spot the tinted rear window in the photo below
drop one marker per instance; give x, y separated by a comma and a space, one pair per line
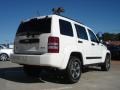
65, 28
35, 26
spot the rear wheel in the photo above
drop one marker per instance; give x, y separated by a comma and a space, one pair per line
73, 71
4, 57
106, 64
31, 71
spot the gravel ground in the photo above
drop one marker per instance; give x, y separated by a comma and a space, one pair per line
13, 78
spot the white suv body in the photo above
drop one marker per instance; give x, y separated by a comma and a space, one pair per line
51, 41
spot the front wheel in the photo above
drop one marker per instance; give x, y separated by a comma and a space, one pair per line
73, 71
106, 64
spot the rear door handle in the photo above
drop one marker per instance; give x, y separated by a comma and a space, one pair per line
92, 44
80, 41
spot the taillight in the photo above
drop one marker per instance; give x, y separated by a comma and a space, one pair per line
53, 44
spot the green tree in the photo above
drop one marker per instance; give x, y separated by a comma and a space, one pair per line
111, 36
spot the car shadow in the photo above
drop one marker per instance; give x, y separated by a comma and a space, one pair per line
16, 74
91, 69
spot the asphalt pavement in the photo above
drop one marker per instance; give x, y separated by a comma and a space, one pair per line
12, 77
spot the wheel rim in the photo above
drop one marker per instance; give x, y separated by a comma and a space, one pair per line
3, 57
107, 63
75, 70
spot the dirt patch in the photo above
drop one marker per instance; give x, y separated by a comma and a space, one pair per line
116, 62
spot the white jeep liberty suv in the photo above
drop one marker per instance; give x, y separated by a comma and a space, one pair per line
60, 43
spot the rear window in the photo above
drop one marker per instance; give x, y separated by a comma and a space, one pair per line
35, 26
65, 28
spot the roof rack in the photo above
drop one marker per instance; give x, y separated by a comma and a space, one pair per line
71, 19
59, 10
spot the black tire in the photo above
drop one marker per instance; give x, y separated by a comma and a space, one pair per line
31, 71
4, 57
106, 65
73, 70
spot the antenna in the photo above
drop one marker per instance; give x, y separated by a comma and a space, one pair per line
58, 10
38, 13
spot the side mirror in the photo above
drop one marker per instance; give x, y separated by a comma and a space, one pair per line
101, 41
100, 37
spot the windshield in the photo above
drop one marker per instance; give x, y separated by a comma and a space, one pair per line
35, 26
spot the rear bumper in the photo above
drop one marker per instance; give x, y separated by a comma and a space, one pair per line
51, 60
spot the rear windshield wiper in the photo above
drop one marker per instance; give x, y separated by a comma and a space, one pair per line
29, 33
21, 33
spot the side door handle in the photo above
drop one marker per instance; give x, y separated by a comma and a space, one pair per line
92, 44
80, 41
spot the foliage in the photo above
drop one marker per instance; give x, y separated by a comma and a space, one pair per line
111, 36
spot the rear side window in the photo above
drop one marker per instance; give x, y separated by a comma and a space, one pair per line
81, 32
65, 28
35, 26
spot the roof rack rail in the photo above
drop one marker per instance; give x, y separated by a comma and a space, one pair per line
71, 19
